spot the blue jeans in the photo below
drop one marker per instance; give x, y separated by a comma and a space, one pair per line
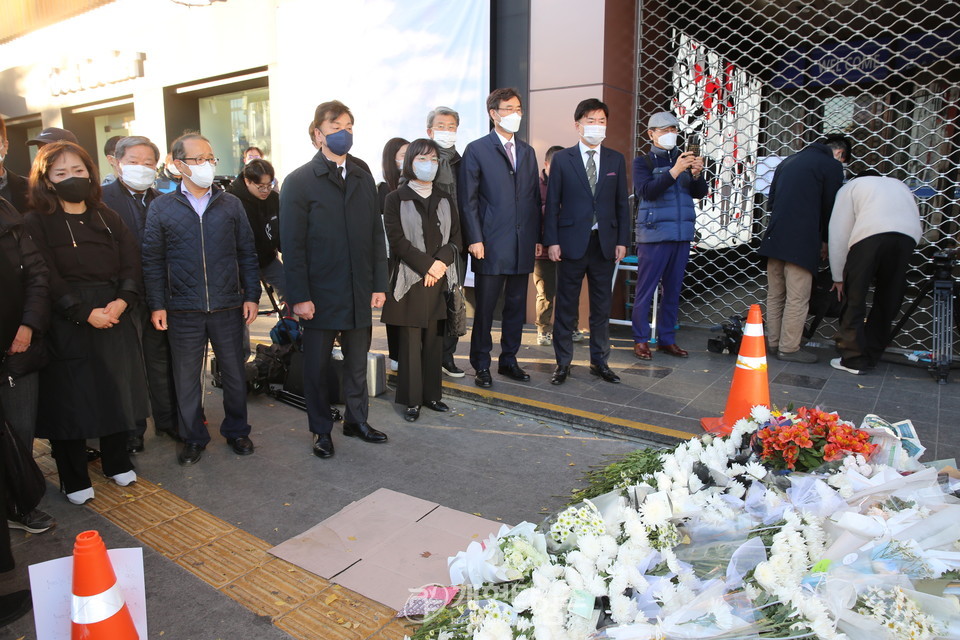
188, 334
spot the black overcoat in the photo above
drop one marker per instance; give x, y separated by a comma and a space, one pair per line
421, 306
801, 198
334, 252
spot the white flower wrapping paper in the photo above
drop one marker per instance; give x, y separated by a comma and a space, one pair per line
681, 554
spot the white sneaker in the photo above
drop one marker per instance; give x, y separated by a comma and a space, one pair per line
81, 497
125, 478
545, 339
394, 365
835, 363
577, 335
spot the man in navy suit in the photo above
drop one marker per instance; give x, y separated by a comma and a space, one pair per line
586, 229
499, 198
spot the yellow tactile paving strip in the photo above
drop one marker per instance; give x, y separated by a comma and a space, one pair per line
300, 603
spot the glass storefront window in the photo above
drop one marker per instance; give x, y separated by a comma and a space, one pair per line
234, 121
107, 126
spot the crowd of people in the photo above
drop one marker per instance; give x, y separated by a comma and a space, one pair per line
112, 291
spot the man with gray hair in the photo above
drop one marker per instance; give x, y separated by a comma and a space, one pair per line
135, 160
202, 280
442, 124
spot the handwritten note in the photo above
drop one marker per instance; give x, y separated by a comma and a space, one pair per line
51, 584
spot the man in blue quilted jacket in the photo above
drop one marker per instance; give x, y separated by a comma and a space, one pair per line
665, 182
203, 282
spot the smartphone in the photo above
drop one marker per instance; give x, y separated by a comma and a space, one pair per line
693, 145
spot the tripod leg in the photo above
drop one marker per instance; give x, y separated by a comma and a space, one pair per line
924, 291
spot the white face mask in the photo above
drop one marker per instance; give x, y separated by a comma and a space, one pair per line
137, 176
594, 134
201, 175
425, 171
445, 139
510, 123
667, 140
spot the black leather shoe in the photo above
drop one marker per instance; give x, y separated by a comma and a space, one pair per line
190, 454
560, 374
92, 454
483, 378
323, 445
363, 431
604, 372
135, 444
170, 433
242, 446
411, 414
437, 405
513, 371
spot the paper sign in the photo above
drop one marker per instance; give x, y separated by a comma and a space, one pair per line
51, 583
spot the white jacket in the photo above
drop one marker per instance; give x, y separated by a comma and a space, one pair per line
866, 207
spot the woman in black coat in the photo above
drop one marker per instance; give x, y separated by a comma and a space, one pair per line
423, 231
24, 316
94, 385
392, 163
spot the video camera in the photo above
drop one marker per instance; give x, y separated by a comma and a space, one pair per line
729, 342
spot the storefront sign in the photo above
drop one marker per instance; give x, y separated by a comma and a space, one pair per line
96, 71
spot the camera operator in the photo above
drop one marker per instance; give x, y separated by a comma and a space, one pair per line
874, 229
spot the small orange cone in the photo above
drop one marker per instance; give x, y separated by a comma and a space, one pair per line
98, 611
750, 386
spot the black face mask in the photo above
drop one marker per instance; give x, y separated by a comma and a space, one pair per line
73, 189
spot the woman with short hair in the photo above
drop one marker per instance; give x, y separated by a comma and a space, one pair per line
423, 230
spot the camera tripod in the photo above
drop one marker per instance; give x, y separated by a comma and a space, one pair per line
945, 291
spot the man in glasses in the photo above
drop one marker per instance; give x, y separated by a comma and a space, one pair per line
499, 197
202, 282
135, 161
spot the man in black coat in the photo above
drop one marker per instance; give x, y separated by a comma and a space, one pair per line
335, 268
130, 195
801, 199
442, 125
13, 188
586, 230
499, 197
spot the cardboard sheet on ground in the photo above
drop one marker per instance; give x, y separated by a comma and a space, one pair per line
51, 584
386, 546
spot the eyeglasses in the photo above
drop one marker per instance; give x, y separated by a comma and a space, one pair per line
670, 129
201, 160
264, 188
509, 110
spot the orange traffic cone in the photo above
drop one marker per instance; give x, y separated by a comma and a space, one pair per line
750, 386
98, 611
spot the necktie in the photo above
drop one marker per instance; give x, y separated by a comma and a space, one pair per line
509, 148
592, 171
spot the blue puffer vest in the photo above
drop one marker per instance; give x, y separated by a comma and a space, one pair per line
672, 216
199, 264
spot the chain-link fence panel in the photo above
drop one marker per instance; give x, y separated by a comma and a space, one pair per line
753, 81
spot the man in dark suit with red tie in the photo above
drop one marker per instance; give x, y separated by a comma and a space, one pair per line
586, 230
499, 197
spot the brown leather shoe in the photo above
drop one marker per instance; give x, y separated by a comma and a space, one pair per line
673, 350
642, 351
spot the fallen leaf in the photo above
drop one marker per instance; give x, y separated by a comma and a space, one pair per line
353, 538
425, 554
566, 432
478, 514
476, 535
286, 504
503, 413
572, 464
279, 603
330, 598
568, 455
499, 519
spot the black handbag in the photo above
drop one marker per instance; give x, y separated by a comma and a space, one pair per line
456, 312
24, 479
